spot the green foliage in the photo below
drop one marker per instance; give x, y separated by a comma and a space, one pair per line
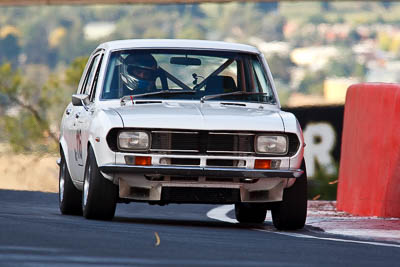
313, 83
317, 19
345, 66
10, 82
30, 121
25, 133
38, 110
280, 67
10, 49
323, 186
74, 72
191, 32
283, 93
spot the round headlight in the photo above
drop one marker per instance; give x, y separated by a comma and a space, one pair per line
133, 140
271, 144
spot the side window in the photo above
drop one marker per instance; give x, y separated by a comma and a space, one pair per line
89, 76
96, 78
262, 80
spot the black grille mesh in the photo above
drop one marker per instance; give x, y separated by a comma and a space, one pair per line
200, 195
202, 142
174, 141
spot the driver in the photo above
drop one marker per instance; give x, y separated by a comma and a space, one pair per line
139, 73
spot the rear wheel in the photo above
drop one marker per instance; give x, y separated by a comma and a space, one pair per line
250, 212
291, 212
99, 194
70, 198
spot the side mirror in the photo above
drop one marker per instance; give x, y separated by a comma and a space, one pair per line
80, 100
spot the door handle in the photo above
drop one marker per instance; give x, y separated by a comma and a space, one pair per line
77, 115
68, 111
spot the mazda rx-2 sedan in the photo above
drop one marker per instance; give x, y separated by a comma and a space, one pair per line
181, 121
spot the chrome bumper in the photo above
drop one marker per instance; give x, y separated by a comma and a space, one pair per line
201, 171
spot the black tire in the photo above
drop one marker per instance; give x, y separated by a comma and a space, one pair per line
250, 213
69, 197
99, 195
291, 212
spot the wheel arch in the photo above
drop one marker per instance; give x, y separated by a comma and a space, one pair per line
290, 181
64, 153
92, 144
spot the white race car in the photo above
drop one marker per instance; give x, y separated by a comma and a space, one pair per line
181, 121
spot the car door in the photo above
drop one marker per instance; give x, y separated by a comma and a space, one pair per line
77, 114
85, 114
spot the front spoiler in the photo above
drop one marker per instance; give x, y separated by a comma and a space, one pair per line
201, 171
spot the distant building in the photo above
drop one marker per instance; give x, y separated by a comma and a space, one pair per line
335, 89
383, 71
334, 93
269, 48
315, 57
98, 30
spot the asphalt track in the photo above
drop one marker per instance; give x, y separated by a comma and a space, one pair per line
34, 233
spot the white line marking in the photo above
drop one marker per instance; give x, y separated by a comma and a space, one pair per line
220, 214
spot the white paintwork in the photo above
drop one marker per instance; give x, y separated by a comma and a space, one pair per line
211, 115
177, 43
95, 121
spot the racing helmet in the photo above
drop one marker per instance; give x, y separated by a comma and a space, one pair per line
139, 71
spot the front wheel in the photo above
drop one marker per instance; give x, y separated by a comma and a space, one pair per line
99, 194
291, 212
250, 212
70, 198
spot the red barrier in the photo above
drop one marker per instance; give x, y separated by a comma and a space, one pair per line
369, 174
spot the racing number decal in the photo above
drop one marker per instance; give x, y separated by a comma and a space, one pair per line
78, 149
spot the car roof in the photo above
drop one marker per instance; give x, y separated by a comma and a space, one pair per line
176, 43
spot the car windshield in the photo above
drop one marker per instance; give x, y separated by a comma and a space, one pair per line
187, 74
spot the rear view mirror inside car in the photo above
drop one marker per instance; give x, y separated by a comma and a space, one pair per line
187, 61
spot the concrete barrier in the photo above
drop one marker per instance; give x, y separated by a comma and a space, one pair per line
369, 173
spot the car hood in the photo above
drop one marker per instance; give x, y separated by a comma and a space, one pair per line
201, 116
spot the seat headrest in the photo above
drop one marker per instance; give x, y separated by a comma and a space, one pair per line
220, 85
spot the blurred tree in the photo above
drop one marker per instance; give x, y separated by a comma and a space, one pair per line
325, 6
312, 83
190, 32
56, 37
345, 66
323, 185
280, 67
271, 27
267, 7
32, 127
387, 4
317, 19
10, 49
74, 72
36, 45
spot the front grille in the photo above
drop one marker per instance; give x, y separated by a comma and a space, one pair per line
163, 141
222, 162
203, 143
230, 142
180, 161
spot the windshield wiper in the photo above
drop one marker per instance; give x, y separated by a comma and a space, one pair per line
207, 97
131, 97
